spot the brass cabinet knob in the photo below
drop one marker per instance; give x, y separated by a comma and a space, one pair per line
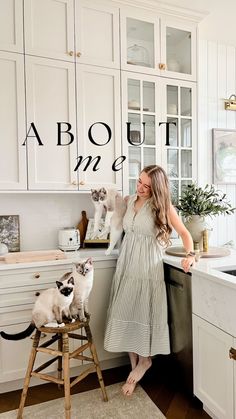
37, 276
82, 182
74, 183
162, 66
71, 53
78, 54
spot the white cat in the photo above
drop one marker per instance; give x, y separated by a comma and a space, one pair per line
48, 309
82, 273
115, 206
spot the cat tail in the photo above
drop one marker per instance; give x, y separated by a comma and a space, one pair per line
21, 335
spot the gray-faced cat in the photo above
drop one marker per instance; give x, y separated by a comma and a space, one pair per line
115, 206
83, 279
48, 309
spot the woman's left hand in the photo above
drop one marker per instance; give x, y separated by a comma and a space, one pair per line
187, 262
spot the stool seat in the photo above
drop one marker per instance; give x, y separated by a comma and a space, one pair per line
69, 327
62, 353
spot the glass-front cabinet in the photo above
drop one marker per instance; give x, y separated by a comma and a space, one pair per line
173, 54
140, 41
148, 102
179, 157
141, 113
178, 49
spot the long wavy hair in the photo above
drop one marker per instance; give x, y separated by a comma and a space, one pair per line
160, 202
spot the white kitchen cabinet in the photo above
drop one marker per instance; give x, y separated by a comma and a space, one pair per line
56, 40
213, 369
153, 100
179, 158
98, 112
50, 99
89, 33
12, 121
11, 25
97, 33
17, 295
173, 54
178, 49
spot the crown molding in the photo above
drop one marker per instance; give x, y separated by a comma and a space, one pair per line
192, 15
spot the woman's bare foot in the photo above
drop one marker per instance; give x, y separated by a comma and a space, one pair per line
133, 359
143, 364
128, 388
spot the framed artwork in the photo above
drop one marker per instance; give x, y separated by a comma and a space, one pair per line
100, 239
224, 156
10, 232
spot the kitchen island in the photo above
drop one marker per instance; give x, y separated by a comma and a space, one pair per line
214, 333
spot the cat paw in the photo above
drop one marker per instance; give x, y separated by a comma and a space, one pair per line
61, 324
87, 315
72, 320
107, 252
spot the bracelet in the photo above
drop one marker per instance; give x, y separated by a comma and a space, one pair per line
190, 254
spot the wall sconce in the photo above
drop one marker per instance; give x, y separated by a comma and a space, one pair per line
230, 104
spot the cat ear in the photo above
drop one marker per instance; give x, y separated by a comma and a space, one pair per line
89, 260
71, 281
59, 284
93, 190
103, 190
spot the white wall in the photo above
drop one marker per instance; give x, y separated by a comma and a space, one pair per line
217, 81
41, 215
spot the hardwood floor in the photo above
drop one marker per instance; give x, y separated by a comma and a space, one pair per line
164, 389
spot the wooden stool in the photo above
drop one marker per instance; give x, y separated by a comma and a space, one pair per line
63, 357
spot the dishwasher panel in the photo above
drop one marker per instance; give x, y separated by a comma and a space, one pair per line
179, 298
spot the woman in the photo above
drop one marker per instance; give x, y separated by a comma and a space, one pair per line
137, 313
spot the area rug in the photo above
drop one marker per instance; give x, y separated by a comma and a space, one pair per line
89, 405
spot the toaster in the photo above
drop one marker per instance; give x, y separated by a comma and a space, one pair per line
69, 239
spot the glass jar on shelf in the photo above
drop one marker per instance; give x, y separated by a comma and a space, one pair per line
138, 55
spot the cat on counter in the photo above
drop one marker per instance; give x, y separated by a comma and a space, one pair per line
48, 309
82, 273
115, 206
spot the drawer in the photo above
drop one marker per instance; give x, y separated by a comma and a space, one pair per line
15, 315
22, 277
21, 295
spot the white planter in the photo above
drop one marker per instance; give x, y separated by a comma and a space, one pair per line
196, 225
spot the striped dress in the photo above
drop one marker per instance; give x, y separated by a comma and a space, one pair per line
137, 313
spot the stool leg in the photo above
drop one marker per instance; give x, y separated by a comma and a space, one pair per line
28, 373
59, 365
96, 362
66, 371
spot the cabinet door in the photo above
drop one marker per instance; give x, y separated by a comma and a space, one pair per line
50, 99
178, 49
56, 40
98, 115
213, 369
12, 122
178, 104
140, 44
11, 25
97, 33
141, 114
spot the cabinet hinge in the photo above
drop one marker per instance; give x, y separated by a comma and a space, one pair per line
232, 353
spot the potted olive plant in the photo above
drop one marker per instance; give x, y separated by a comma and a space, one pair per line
197, 203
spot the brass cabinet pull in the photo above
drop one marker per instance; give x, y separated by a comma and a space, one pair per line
37, 276
82, 182
162, 66
78, 54
71, 53
232, 353
74, 183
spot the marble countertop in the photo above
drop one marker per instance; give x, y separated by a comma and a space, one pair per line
212, 267
96, 254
